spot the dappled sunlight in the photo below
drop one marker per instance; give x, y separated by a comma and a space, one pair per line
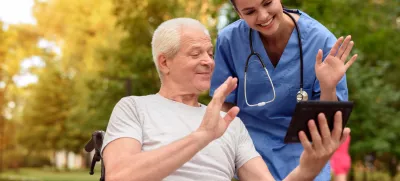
65, 64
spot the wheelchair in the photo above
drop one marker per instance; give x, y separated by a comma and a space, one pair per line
95, 143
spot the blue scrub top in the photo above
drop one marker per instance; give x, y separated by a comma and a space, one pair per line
267, 125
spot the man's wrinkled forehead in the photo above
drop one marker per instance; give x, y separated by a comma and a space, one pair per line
195, 37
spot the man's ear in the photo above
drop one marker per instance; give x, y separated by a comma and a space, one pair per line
163, 65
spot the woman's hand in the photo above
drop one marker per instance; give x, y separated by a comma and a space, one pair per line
333, 68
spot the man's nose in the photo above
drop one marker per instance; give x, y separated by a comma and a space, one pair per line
207, 61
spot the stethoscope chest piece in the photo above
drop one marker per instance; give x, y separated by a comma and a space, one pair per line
302, 95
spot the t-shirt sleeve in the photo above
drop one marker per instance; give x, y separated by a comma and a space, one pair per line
124, 122
341, 88
245, 149
223, 68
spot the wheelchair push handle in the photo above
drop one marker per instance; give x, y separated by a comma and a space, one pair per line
95, 143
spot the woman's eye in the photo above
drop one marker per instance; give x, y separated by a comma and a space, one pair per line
267, 3
249, 12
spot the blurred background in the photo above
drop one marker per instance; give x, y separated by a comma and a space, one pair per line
64, 64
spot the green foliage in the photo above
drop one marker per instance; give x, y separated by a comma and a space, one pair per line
69, 106
49, 105
16, 44
35, 161
106, 55
375, 118
134, 59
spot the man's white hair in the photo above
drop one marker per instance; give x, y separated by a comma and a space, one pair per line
167, 37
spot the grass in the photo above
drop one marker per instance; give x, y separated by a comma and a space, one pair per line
46, 174
375, 176
34, 174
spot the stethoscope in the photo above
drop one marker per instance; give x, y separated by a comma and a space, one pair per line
301, 95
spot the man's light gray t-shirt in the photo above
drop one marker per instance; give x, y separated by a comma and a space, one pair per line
156, 121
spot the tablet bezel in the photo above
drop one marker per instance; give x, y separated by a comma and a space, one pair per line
307, 110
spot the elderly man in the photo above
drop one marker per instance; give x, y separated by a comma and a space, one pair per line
171, 136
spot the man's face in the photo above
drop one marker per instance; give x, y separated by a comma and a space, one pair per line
192, 66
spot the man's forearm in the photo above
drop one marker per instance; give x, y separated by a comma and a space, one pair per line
298, 175
159, 163
328, 95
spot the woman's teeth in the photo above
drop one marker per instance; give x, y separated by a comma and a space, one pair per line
267, 23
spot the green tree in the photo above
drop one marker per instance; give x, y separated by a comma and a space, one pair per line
139, 19
17, 42
84, 31
46, 112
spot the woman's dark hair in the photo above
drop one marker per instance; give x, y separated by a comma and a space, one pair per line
234, 5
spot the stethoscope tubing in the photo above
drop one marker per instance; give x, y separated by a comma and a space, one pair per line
253, 53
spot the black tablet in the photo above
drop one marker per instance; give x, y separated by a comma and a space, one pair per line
307, 110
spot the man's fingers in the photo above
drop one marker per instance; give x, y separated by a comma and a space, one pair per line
231, 114
337, 127
305, 142
343, 47
220, 91
231, 86
222, 87
316, 138
335, 47
323, 126
226, 88
346, 133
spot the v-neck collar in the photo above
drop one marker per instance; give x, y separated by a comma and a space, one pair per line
291, 50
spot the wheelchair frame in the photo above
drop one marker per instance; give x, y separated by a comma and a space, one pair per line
95, 143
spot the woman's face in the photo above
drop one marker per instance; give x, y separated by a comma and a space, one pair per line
264, 16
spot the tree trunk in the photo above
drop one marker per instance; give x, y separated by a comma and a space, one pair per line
392, 164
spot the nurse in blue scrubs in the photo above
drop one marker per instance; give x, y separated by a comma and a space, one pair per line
275, 39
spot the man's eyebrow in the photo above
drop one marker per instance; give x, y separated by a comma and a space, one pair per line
194, 47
